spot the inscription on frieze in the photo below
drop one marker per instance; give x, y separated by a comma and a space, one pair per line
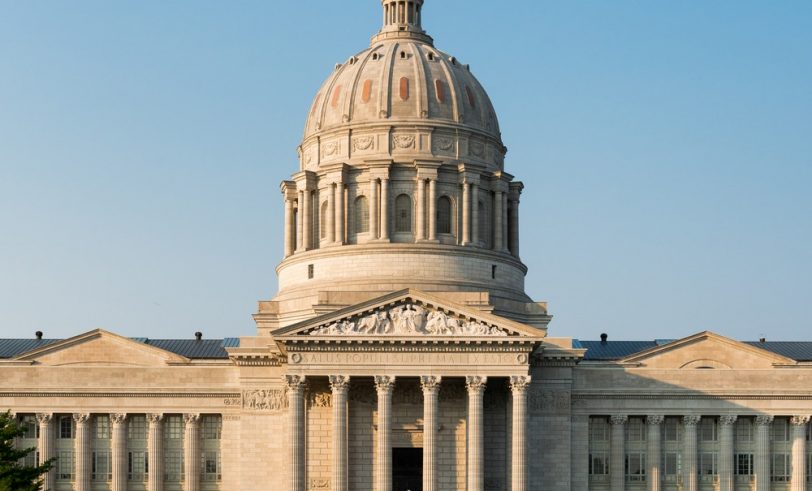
405, 358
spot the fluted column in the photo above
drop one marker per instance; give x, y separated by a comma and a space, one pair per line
289, 228
340, 217
514, 228
300, 223
384, 209
155, 452
466, 213
799, 424
81, 451
420, 233
331, 214
518, 474
340, 385
476, 434
726, 479
431, 390
505, 222
45, 444
654, 423
373, 209
762, 453
191, 452
497, 221
118, 446
474, 213
617, 457
296, 421
432, 209
689, 457
307, 215
384, 386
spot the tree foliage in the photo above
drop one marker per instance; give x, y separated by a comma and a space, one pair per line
14, 474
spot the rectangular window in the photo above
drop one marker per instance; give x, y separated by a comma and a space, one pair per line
30, 426
173, 466
30, 460
598, 430
212, 427
174, 428
671, 466
137, 428
635, 430
102, 427
211, 467
809, 432
66, 427
65, 465
635, 466
780, 430
137, 469
809, 467
707, 430
781, 467
744, 430
743, 464
708, 464
102, 467
598, 464
671, 430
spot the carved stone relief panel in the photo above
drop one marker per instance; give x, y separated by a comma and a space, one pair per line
548, 401
265, 399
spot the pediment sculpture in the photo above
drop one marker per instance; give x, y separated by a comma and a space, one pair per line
408, 320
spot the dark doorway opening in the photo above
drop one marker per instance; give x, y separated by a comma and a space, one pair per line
407, 469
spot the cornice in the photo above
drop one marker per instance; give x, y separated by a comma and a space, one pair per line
128, 395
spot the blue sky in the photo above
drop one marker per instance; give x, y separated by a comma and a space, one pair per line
666, 149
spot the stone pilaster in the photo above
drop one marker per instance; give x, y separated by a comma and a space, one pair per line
385, 209
384, 386
289, 228
155, 452
726, 479
654, 423
505, 230
762, 453
466, 213
118, 447
420, 222
497, 221
300, 243
331, 214
340, 218
474, 213
191, 452
82, 451
431, 390
617, 457
518, 473
433, 209
513, 227
296, 421
476, 432
373, 209
340, 385
305, 205
46, 447
799, 425
690, 476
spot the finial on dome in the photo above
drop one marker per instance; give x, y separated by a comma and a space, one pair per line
402, 19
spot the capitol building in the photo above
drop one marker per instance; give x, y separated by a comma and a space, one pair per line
401, 351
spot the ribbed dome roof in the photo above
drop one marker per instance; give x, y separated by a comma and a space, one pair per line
402, 79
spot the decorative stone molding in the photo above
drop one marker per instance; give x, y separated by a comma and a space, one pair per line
384, 383
406, 320
361, 143
339, 382
319, 484
319, 399
655, 419
118, 418
331, 148
154, 418
44, 418
403, 142
295, 382
764, 420
191, 418
476, 383
691, 420
430, 383
728, 419
799, 420
519, 383
618, 419
476, 149
548, 401
81, 418
443, 144
265, 400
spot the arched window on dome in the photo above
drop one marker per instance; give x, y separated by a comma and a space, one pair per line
403, 213
444, 215
361, 215
323, 221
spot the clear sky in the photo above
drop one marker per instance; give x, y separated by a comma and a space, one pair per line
666, 149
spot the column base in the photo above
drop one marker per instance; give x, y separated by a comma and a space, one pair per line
379, 241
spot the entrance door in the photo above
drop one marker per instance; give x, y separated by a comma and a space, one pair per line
407, 469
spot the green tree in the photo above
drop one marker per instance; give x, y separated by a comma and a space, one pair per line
14, 475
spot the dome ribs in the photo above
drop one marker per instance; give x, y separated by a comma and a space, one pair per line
455, 90
421, 89
384, 96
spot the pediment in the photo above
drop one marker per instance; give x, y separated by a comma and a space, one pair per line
707, 350
100, 348
409, 314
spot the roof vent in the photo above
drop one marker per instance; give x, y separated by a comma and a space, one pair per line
762, 340
604, 337
198, 335
38, 334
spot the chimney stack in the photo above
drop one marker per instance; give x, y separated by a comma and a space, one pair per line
198, 335
38, 334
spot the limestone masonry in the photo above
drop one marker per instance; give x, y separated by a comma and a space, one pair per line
401, 351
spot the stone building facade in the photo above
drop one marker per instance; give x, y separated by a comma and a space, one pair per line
401, 352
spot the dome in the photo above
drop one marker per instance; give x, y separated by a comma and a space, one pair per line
402, 80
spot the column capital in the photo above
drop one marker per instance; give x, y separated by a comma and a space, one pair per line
691, 420
427, 169
655, 419
294, 382
81, 418
191, 418
764, 419
476, 383
44, 418
154, 418
519, 383
339, 383
118, 418
305, 180
799, 420
618, 419
727, 419
384, 383
430, 383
